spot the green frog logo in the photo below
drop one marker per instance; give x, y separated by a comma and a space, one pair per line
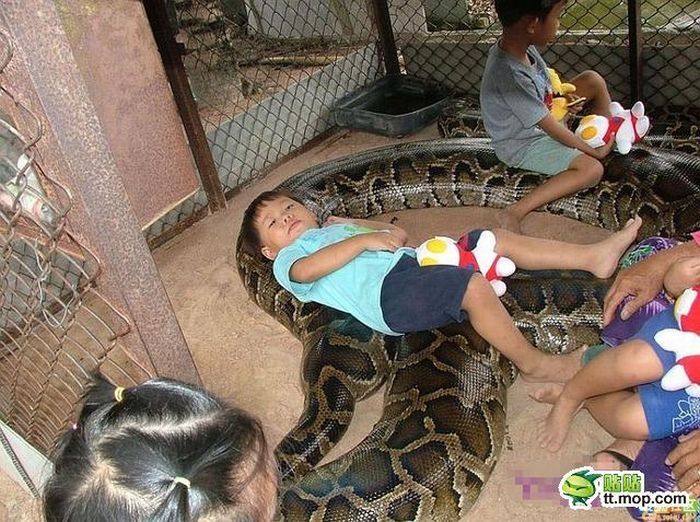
578, 486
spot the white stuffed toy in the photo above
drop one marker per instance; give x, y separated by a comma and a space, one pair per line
629, 127
685, 343
483, 258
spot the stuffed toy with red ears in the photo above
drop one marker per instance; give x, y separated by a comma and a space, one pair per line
477, 252
628, 127
685, 343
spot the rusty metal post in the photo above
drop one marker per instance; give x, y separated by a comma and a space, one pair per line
187, 107
387, 41
634, 20
78, 151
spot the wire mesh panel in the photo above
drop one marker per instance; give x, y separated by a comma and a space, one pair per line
265, 73
448, 41
55, 327
671, 31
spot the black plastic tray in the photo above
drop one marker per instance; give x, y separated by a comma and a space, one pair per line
392, 106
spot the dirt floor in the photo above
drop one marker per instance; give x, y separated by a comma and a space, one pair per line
248, 358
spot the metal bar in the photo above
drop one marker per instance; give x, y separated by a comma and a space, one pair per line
163, 33
386, 36
78, 152
634, 21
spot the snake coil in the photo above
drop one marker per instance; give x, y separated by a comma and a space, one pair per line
443, 423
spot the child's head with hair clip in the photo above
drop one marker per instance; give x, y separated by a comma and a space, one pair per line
161, 451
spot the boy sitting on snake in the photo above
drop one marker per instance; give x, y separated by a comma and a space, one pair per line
516, 96
364, 268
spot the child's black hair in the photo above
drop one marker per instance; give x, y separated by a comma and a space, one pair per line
160, 451
510, 11
249, 236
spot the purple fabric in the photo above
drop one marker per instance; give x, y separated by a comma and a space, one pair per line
619, 330
647, 247
657, 474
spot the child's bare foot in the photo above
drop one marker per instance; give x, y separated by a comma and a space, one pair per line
553, 368
607, 253
508, 220
549, 393
553, 430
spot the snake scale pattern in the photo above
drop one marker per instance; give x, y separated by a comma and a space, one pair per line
443, 423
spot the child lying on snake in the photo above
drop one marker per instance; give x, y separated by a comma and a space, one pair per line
365, 269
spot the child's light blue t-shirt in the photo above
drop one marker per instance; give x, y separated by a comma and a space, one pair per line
512, 102
354, 288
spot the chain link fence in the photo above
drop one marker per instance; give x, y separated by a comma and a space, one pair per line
265, 73
455, 35
55, 327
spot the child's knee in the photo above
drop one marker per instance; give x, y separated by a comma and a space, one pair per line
591, 81
596, 173
591, 170
638, 361
503, 236
477, 289
596, 79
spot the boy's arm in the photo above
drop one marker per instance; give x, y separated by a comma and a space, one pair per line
329, 259
559, 132
375, 225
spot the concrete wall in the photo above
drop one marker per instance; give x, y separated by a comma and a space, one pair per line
37, 467
408, 16
309, 19
253, 140
331, 18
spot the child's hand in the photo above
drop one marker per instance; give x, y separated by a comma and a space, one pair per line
383, 240
682, 274
335, 220
601, 152
400, 233
574, 103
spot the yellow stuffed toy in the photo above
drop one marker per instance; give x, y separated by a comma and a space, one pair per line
559, 101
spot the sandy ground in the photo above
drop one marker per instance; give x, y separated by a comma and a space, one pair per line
246, 357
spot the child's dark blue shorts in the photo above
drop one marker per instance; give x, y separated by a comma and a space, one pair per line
666, 412
416, 298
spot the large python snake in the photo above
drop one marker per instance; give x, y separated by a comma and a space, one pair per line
443, 422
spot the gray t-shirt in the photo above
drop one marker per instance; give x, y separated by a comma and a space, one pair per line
513, 99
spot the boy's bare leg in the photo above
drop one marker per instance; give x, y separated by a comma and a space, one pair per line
621, 414
583, 172
491, 320
592, 86
628, 365
600, 258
